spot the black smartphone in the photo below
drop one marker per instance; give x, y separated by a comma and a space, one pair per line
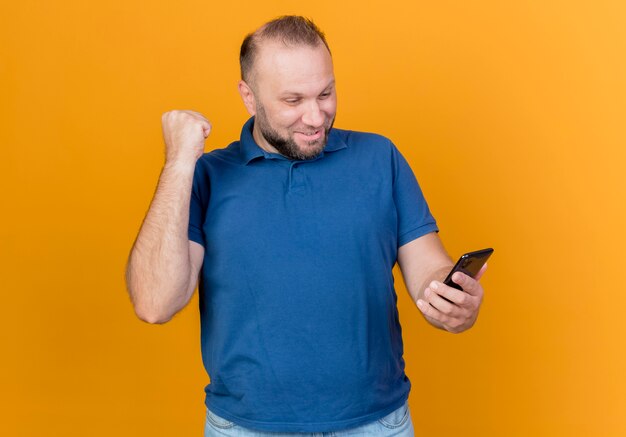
470, 264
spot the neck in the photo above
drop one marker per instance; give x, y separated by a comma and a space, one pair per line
261, 141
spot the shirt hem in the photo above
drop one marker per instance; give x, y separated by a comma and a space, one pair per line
310, 427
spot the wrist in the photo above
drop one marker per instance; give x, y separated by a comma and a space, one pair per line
180, 164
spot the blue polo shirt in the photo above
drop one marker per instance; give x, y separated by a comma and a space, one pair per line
299, 323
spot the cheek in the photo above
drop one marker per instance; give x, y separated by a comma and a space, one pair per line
288, 116
329, 106
278, 115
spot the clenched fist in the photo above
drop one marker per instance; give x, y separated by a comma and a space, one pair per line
184, 133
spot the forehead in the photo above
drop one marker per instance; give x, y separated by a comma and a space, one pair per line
301, 69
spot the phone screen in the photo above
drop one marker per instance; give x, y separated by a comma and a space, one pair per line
470, 264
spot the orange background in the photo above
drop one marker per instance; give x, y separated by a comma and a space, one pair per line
510, 113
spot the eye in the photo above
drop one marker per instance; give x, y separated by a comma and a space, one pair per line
293, 101
325, 95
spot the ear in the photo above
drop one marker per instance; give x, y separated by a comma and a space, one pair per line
247, 96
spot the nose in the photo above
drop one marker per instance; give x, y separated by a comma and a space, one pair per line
313, 116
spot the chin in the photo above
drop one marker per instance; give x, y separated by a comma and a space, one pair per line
318, 146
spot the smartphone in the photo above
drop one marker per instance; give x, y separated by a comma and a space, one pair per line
470, 264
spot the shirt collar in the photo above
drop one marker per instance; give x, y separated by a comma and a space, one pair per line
250, 150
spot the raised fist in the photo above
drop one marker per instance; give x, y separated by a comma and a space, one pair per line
184, 133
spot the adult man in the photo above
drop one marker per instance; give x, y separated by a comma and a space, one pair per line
296, 228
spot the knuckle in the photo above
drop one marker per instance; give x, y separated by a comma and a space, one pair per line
454, 324
474, 303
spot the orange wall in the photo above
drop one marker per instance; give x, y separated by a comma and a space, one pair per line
511, 114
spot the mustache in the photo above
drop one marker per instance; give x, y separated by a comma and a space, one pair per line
310, 130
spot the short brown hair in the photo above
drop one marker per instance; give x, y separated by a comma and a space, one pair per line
291, 30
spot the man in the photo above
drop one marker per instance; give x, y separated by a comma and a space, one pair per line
294, 231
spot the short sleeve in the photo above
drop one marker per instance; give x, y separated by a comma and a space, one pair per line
414, 217
198, 204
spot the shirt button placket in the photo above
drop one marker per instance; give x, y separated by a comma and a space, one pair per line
296, 178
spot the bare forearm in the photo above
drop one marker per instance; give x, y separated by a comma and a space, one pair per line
422, 261
158, 272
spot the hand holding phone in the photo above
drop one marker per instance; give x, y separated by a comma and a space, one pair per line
452, 316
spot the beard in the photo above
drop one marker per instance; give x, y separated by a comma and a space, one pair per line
287, 146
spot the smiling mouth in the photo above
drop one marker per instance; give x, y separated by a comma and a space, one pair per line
310, 136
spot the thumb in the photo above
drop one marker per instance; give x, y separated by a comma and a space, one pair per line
206, 128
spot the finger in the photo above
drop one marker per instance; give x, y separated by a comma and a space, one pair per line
467, 283
481, 272
431, 312
197, 115
432, 297
451, 294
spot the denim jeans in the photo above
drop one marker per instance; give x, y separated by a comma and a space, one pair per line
397, 423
